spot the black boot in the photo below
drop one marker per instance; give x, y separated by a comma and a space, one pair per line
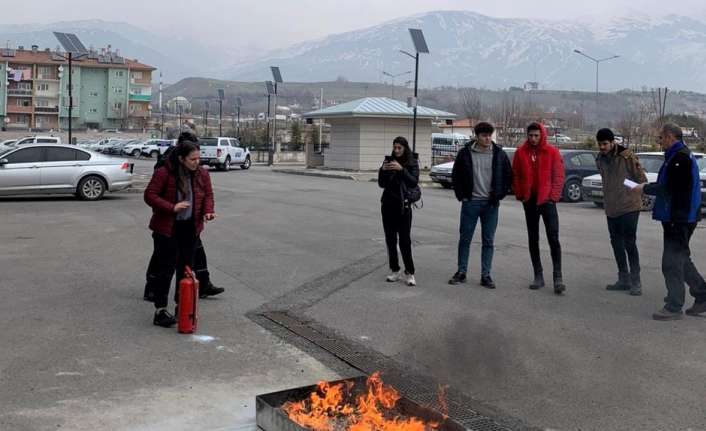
635, 284
210, 290
623, 283
538, 282
559, 287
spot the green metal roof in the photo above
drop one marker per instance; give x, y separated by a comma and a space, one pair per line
378, 107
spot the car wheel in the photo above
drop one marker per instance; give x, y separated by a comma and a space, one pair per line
246, 164
136, 153
154, 154
598, 204
648, 202
226, 165
572, 191
446, 185
91, 188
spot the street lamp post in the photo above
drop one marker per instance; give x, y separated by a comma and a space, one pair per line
221, 96
393, 76
420, 47
270, 150
598, 61
277, 78
238, 104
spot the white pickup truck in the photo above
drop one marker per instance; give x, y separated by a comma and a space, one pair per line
224, 153
156, 147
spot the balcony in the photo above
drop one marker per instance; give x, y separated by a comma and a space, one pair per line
14, 109
46, 109
140, 97
21, 92
41, 77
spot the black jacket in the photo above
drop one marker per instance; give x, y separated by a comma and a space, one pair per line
392, 182
462, 174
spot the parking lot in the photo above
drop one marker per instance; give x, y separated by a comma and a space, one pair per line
82, 353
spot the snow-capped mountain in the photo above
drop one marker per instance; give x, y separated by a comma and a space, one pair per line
476, 50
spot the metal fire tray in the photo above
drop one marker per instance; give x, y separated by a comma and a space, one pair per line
271, 417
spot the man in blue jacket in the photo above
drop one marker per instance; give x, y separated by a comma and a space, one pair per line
482, 177
678, 207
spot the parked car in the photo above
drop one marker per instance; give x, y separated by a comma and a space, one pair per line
222, 153
38, 140
442, 173
101, 145
7, 144
115, 147
156, 147
560, 139
61, 169
592, 186
111, 131
133, 148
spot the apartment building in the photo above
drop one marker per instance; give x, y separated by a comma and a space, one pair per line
109, 91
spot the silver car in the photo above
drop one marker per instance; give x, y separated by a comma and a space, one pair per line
61, 169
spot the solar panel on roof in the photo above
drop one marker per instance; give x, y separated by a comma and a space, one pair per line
80, 49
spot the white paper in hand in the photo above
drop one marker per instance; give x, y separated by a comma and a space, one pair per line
630, 184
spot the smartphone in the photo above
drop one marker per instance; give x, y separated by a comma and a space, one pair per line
388, 159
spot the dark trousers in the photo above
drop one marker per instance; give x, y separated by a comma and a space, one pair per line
398, 224
548, 213
623, 238
678, 268
200, 270
171, 254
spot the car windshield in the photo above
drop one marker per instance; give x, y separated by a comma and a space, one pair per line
208, 142
651, 164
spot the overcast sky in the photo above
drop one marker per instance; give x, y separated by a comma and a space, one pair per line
278, 23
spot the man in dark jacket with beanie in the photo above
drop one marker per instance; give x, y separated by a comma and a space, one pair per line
678, 207
482, 177
617, 164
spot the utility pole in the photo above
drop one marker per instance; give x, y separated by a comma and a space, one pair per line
321, 121
420, 46
205, 118
271, 144
161, 108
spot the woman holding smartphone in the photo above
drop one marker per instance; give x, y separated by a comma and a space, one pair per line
399, 177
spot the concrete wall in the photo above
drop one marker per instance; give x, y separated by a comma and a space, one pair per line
362, 143
344, 150
377, 135
94, 88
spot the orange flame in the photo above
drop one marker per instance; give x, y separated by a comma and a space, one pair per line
328, 409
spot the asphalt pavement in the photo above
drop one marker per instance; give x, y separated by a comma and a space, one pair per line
80, 351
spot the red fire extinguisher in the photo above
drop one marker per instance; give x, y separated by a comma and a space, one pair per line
188, 303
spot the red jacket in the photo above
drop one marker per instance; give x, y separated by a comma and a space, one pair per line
161, 195
550, 174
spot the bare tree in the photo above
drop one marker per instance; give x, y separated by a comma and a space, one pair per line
472, 103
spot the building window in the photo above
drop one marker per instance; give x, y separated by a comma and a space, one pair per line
23, 102
117, 90
42, 103
137, 91
42, 87
94, 93
93, 110
137, 75
118, 105
120, 73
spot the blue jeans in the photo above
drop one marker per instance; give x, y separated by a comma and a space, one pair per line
471, 211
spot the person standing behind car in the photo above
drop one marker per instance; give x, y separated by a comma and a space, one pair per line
399, 176
482, 177
181, 198
538, 180
678, 207
616, 164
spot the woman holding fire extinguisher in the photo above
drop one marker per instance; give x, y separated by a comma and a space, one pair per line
181, 198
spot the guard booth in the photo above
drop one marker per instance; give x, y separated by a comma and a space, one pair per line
362, 131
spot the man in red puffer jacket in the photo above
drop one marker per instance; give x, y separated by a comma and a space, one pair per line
538, 181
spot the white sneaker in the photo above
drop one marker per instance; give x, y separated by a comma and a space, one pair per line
394, 277
410, 280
